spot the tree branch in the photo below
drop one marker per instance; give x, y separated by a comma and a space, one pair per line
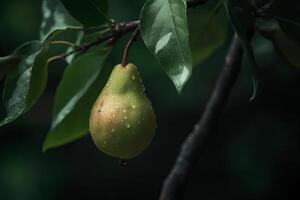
194, 144
118, 31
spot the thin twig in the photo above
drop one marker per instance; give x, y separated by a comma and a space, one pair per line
194, 144
128, 45
56, 58
64, 43
80, 48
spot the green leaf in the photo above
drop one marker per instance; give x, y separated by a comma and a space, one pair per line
27, 80
38, 78
208, 29
55, 16
76, 124
73, 101
284, 45
242, 22
7, 63
17, 82
88, 12
164, 30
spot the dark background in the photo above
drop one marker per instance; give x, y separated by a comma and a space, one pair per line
253, 154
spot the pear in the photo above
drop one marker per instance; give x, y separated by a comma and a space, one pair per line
122, 121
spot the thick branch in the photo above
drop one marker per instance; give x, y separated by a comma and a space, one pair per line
194, 144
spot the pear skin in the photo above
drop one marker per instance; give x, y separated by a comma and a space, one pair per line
122, 121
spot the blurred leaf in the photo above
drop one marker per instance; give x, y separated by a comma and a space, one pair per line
242, 22
291, 28
287, 14
208, 29
88, 12
73, 101
165, 32
288, 9
56, 17
285, 46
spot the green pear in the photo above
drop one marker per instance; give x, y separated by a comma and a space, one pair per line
122, 120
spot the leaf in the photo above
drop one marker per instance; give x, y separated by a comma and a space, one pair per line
208, 29
76, 124
73, 101
27, 80
56, 17
7, 63
88, 12
18, 80
242, 22
164, 30
284, 46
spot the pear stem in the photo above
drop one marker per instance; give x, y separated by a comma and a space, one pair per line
133, 38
